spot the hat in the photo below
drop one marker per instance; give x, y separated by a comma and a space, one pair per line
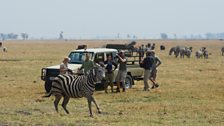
66, 58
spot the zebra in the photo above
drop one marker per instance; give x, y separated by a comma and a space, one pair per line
222, 50
182, 52
172, 50
5, 49
205, 54
199, 54
202, 53
162, 47
185, 51
69, 86
188, 52
176, 50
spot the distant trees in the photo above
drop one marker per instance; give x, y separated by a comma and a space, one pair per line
214, 35
2, 36
10, 36
13, 36
164, 36
24, 36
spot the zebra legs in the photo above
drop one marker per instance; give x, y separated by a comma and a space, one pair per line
65, 102
90, 99
97, 107
56, 101
89, 105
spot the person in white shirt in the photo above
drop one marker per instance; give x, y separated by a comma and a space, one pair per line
64, 66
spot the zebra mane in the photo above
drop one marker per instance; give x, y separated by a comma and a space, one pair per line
92, 76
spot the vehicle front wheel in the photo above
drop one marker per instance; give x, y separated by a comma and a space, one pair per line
47, 86
128, 81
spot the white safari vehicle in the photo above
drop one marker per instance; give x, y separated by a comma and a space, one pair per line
134, 72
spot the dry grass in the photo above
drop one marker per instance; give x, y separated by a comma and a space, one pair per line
191, 91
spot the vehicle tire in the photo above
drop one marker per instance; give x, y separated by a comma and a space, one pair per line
47, 86
128, 82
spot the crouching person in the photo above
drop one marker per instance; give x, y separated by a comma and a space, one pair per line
109, 73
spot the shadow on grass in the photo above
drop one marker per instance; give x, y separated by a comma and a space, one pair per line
23, 112
12, 60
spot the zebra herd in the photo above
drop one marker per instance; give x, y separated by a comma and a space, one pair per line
70, 86
186, 51
181, 50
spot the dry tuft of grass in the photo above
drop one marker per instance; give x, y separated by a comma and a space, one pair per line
190, 92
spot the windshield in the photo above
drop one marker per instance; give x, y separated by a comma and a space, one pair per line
79, 57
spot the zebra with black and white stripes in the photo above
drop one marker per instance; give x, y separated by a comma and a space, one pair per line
69, 86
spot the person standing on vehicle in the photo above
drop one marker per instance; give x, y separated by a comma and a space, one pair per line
87, 65
147, 64
157, 63
122, 72
109, 73
64, 66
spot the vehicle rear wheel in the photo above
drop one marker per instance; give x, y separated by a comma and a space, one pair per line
128, 81
47, 86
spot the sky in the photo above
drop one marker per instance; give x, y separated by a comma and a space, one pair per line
89, 18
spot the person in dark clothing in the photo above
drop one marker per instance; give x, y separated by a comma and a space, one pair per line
147, 64
109, 73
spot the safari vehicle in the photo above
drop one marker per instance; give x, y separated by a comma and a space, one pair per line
134, 72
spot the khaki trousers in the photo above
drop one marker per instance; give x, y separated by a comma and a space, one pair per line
147, 74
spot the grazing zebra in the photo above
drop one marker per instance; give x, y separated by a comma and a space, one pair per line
202, 53
69, 86
222, 50
205, 54
172, 50
185, 51
182, 52
5, 49
175, 50
199, 54
162, 47
188, 52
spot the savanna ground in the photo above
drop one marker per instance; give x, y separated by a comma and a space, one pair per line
191, 90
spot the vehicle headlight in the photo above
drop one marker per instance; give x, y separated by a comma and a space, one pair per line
44, 71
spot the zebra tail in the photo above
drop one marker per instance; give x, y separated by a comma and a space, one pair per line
47, 95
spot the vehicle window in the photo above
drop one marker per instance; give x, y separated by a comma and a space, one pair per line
99, 57
79, 57
112, 54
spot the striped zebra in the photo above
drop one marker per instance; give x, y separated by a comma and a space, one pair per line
185, 51
4, 49
69, 86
